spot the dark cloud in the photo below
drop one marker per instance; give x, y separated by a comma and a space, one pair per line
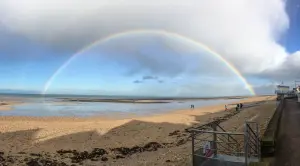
267, 89
137, 82
150, 77
288, 71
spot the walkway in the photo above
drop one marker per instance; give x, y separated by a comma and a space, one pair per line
288, 142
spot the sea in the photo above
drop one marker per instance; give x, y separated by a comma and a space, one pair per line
53, 105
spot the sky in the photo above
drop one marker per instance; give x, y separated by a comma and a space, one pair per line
148, 48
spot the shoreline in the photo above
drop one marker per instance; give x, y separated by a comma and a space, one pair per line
146, 100
106, 116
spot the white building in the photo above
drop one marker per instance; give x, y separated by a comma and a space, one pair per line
282, 90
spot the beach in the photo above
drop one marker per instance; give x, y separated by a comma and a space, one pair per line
159, 139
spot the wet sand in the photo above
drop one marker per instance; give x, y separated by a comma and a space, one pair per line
153, 140
140, 101
7, 103
144, 100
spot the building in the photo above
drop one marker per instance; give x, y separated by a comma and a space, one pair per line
282, 90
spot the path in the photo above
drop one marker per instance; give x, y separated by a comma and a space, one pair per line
288, 143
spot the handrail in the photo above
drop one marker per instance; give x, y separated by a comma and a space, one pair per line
217, 132
229, 143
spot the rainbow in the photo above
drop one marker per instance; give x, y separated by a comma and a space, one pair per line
155, 32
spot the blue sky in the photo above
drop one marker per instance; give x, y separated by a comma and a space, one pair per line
291, 39
31, 51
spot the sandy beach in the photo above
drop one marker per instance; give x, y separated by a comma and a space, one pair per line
154, 140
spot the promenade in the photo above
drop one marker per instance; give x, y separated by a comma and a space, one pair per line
288, 141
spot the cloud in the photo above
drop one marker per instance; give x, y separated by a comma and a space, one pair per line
288, 71
150, 77
160, 81
137, 81
265, 89
245, 32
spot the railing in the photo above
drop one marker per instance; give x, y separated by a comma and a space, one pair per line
251, 141
223, 144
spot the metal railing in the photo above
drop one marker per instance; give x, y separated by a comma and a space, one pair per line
235, 144
251, 141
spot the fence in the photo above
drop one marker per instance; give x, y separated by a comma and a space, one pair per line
216, 147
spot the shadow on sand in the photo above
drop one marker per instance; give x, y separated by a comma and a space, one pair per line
93, 148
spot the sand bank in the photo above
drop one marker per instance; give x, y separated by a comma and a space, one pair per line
6, 105
153, 137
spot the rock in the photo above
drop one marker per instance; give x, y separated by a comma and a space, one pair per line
119, 157
104, 159
94, 159
33, 162
176, 132
137, 149
168, 161
35, 154
152, 146
97, 152
181, 142
128, 151
78, 157
2, 159
10, 159
123, 150
61, 152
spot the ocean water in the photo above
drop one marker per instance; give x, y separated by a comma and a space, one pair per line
53, 106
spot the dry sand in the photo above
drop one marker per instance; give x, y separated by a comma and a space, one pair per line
46, 135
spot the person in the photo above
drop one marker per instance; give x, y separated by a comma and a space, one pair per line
225, 107
237, 107
241, 105
192, 106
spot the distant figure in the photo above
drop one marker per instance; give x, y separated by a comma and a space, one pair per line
237, 107
241, 105
192, 106
225, 107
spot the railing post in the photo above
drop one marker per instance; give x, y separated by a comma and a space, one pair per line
258, 143
193, 146
214, 126
246, 144
228, 146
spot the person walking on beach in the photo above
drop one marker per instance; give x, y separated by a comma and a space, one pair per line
192, 106
241, 105
225, 107
237, 107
